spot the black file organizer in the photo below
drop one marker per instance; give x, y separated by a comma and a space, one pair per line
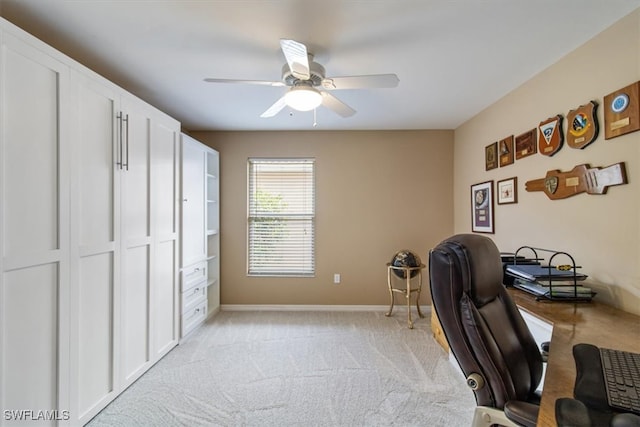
551, 277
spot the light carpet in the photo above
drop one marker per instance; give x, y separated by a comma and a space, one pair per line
299, 369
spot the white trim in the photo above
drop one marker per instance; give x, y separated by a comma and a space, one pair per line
212, 313
304, 307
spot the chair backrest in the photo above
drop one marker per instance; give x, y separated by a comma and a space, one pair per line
485, 330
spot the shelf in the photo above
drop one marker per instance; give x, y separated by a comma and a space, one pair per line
211, 176
212, 282
212, 232
211, 257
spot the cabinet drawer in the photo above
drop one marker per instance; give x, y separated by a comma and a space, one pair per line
193, 295
193, 274
193, 317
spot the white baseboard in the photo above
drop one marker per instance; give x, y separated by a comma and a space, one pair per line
213, 313
305, 307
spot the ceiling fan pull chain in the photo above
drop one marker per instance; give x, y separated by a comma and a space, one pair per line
315, 123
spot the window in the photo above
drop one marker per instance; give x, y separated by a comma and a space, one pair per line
281, 219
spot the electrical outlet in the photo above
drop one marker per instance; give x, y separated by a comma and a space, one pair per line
336, 278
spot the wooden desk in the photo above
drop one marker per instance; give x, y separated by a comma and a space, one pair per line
583, 322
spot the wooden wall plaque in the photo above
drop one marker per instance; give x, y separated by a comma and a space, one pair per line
621, 111
526, 144
491, 156
550, 135
580, 179
582, 125
505, 150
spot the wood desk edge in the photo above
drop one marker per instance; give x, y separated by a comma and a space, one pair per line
573, 323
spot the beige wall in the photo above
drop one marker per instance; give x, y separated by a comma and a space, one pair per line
601, 231
376, 193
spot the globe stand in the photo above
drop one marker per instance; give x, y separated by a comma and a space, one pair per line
407, 271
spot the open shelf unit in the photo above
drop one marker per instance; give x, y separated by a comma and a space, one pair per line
212, 192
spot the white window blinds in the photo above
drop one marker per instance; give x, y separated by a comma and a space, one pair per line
281, 217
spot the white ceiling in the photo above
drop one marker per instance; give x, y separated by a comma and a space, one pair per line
453, 57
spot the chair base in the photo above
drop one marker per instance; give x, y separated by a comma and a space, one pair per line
485, 416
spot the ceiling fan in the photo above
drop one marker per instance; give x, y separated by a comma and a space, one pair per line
308, 85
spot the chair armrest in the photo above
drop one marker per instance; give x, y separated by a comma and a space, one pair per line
523, 413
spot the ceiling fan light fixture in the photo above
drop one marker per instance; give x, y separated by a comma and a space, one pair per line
303, 98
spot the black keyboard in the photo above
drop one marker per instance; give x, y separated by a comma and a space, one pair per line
621, 370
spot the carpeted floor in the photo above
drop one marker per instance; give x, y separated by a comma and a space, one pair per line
299, 369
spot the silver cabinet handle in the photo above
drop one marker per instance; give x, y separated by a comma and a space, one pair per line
126, 120
119, 156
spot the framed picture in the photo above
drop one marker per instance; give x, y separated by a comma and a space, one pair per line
482, 207
491, 156
505, 149
507, 190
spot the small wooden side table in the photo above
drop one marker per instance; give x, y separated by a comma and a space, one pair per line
408, 290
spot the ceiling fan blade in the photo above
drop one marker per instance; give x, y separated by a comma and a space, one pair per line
297, 58
337, 106
361, 82
251, 82
274, 109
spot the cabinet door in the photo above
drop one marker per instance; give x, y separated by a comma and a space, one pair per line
136, 240
94, 245
194, 244
34, 255
165, 193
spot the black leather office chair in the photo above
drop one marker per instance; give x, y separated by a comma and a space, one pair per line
485, 331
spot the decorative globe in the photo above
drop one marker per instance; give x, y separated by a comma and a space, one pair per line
405, 258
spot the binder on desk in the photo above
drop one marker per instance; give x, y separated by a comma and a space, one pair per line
534, 273
509, 258
560, 289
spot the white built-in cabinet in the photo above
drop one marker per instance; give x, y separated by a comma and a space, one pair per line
35, 145
200, 263
89, 225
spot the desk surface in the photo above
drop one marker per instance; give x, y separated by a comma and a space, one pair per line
582, 322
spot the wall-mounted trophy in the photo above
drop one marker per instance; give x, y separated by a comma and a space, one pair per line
582, 127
